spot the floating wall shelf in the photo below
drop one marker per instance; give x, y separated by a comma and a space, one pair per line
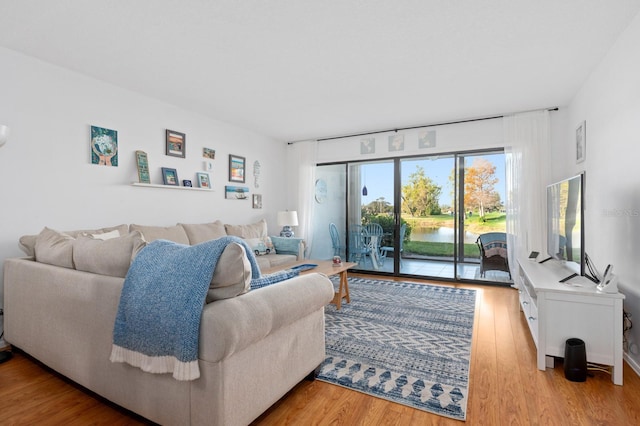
153, 185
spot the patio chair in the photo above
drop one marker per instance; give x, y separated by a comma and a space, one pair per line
493, 252
358, 249
335, 240
373, 239
389, 249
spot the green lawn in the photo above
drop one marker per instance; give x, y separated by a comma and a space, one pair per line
492, 222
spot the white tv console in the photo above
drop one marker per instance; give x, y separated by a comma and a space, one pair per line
558, 311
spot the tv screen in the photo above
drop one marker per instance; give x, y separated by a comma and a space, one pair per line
565, 222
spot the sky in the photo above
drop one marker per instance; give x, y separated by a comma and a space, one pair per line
378, 177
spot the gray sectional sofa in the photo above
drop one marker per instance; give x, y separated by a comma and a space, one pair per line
60, 304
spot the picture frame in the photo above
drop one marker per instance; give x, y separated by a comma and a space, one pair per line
257, 201
203, 180
104, 146
236, 192
175, 144
187, 183
237, 166
581, 142
142, 162
170, 176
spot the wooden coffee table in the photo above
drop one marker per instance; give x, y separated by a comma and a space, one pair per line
324, 267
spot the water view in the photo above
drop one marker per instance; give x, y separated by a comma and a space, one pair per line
440, 235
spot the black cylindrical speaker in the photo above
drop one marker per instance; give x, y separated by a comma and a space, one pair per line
575, 360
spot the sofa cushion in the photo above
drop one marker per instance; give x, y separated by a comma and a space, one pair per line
110, 257
175, 233
27, 243
199, 233
254, 230
232, 276
54, 248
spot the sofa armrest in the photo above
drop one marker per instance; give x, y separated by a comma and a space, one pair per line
293, 246
230, 325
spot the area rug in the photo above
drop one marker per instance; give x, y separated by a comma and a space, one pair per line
404, 342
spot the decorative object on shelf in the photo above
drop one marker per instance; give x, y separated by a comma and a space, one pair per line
396, 143
427, 139
209, 153
170, 177
142, 162
257, 201
104, 146
236, 192
368, 146
321, 191
176, 144
256, 173
203, 180
4, 134
581, 142
287, 219
187, 183
236, 168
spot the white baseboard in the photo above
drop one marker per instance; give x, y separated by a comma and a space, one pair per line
634, 365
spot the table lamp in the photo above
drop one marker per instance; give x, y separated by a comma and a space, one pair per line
287, 219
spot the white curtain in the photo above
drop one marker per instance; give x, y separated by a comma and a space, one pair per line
527, 148
304, 155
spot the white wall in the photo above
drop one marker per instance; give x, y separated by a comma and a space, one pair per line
45, 171
610, 103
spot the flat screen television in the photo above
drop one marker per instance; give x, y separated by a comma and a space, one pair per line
565, 222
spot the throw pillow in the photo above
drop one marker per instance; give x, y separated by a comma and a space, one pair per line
175, 233
232, 276
276, 277
27, 243
54, 248
254, 230
110, 257
199, 233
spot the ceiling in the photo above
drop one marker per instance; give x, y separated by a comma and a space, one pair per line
302, 69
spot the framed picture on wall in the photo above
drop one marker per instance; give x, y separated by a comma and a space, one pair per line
175, 144
581, 142
237, 166
257, 201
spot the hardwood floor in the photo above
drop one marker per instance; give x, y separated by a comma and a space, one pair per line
505, 388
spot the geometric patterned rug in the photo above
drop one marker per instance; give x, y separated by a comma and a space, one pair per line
404, 342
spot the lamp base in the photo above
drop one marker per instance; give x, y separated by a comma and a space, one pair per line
286, 232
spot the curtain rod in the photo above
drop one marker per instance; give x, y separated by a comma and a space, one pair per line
469, 120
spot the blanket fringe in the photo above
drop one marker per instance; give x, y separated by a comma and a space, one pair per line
156, 364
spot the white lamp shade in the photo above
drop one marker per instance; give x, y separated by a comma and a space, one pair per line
4, 134
288, 218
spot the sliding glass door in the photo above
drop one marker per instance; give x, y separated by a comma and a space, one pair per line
418, 216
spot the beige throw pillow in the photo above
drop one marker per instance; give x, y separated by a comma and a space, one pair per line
27, 243
172, 233
255, 230
232, 276
54, 248
199, 233
110, 257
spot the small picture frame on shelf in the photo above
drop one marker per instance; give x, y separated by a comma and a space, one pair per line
142, 163
203, 180
175, 144
170, 176
581, 142
187, 183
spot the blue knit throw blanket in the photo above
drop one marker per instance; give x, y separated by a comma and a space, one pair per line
158, 321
